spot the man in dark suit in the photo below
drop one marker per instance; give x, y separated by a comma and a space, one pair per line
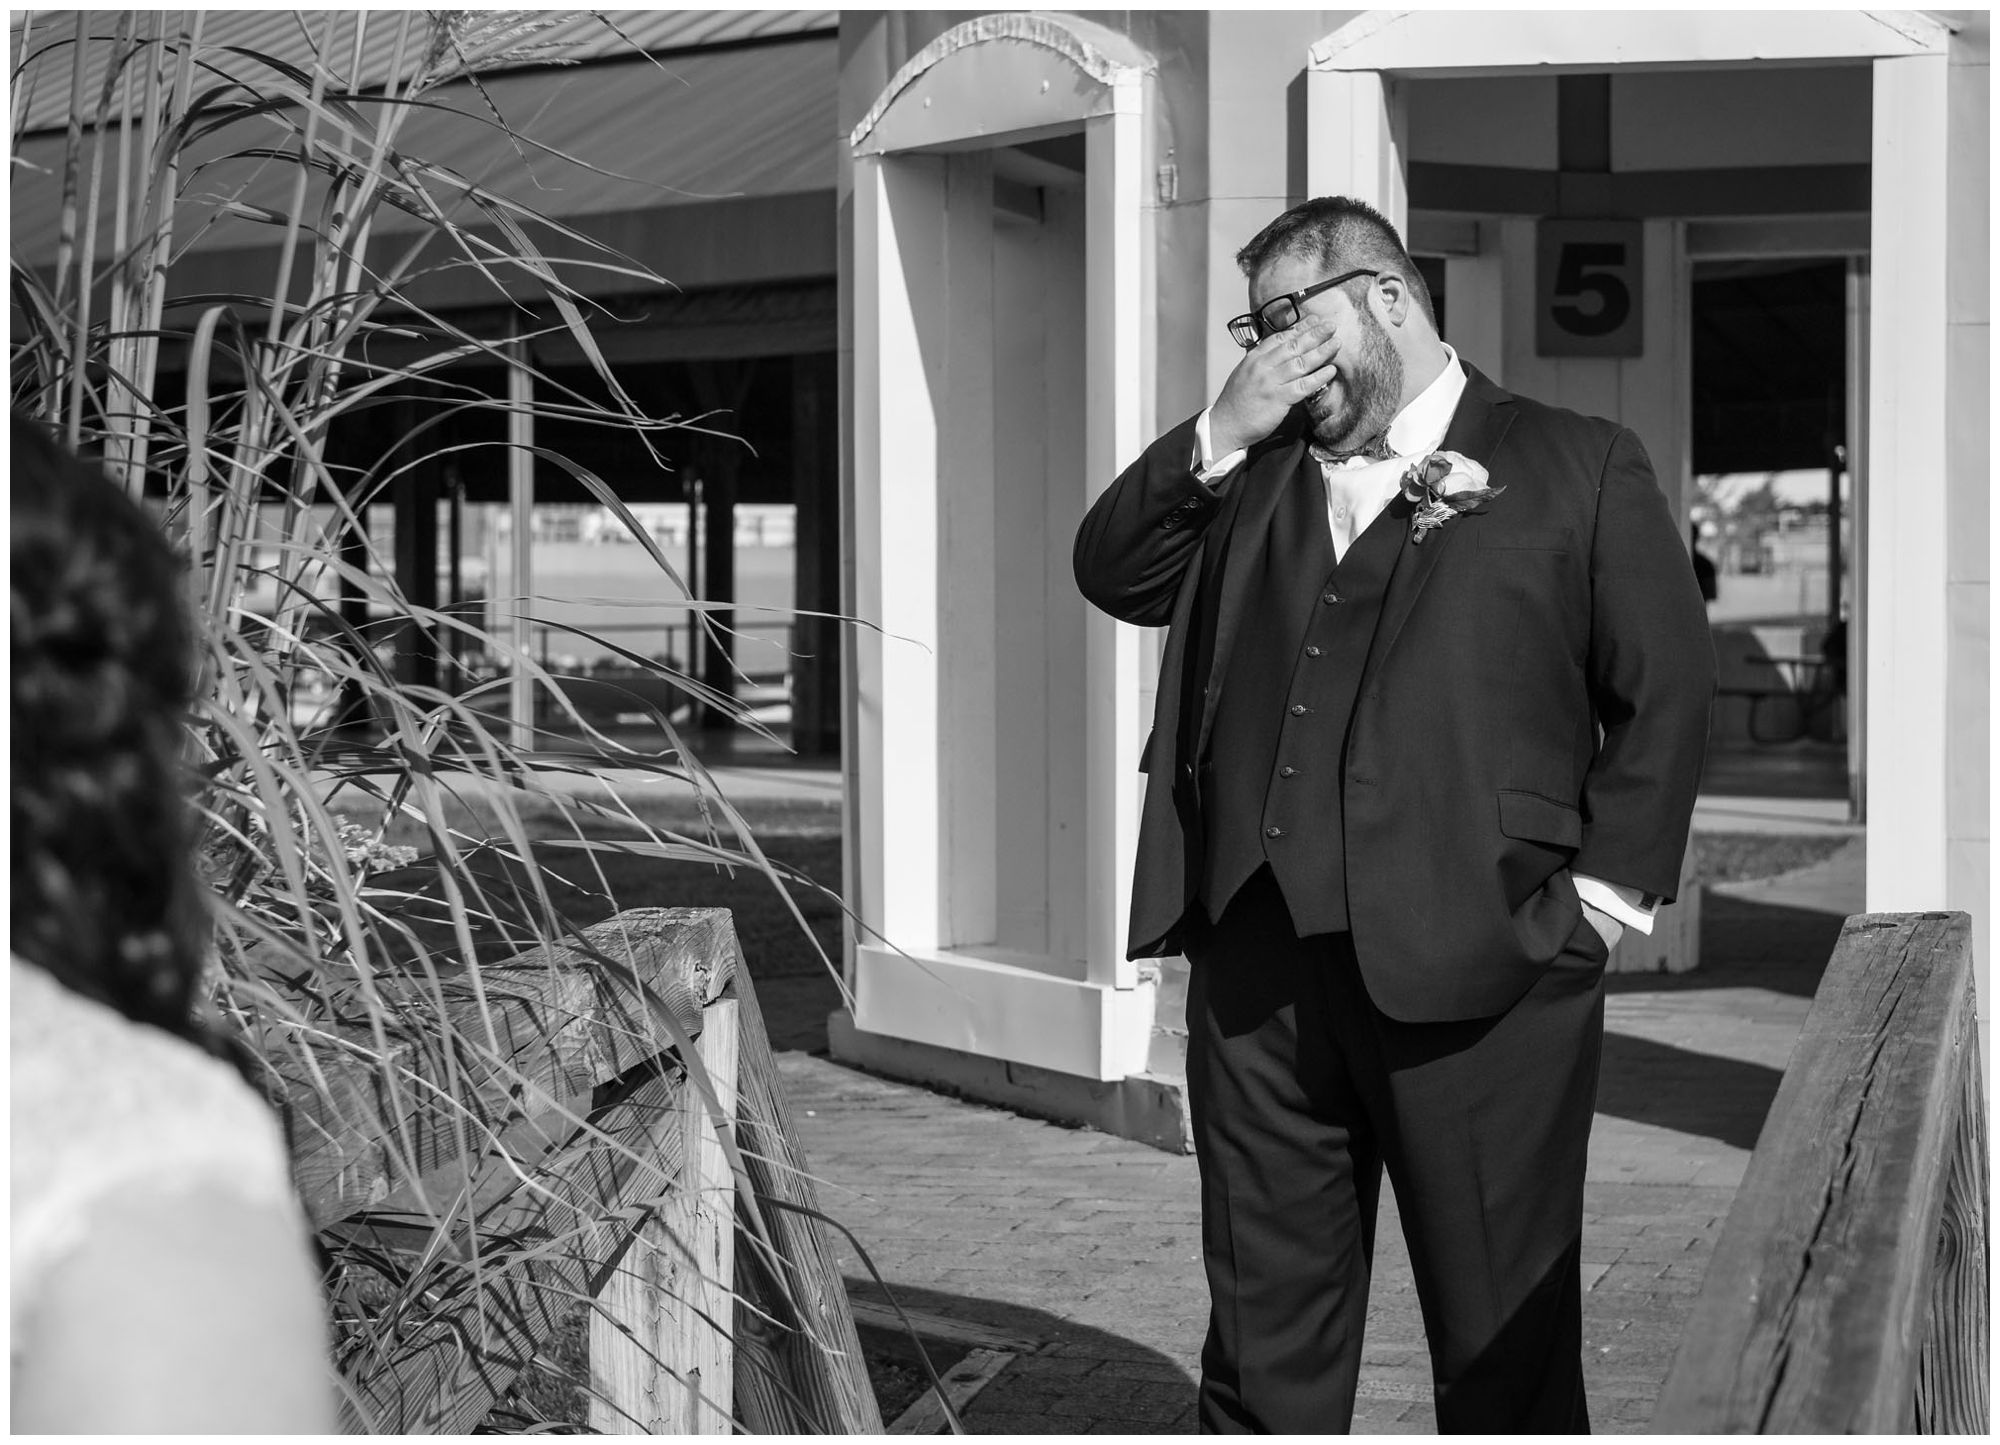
1384, 826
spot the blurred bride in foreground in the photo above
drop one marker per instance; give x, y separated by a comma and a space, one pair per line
161, 1274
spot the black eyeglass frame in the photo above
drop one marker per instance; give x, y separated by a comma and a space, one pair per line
1253, 326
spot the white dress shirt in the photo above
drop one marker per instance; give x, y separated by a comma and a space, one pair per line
1358, 488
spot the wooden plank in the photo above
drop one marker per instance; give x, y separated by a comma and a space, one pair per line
871, 1315
554, 1025
961, 1382
799, 1368
524, 1266
660, 1357
1817, 1301
1952, 1373
530, 1253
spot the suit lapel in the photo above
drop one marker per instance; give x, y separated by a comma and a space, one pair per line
1248, 531
1477, 429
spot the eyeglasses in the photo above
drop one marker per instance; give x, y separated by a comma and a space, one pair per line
1281, 313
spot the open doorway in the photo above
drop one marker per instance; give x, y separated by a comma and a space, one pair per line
1772, 519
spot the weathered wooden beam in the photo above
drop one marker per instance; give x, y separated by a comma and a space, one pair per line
660, 1355
549, 1027
557, 1026
799, 1368
898, 1324
532, 1260
926, 1415
1819, 1300
1952, 1373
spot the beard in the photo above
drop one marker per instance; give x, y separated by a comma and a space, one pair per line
1358, 405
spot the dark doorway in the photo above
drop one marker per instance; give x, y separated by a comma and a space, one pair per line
1769, 364
1773, 526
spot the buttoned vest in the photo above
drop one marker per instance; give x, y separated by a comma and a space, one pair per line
1271, 776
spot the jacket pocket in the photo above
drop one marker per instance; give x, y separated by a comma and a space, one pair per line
1536, 819
1527, 539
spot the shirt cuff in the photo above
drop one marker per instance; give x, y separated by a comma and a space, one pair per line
1628, 905
1206, 471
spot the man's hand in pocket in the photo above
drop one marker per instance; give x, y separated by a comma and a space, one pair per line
1608, 928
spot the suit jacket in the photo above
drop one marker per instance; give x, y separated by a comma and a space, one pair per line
1474, 775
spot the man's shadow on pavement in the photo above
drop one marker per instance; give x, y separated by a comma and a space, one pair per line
1744, 944
1074, 1380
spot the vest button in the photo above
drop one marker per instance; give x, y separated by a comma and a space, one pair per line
1274, 832
1330, 598
1286, 772
1298, 709
1311, 651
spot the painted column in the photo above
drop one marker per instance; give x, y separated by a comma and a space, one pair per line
1908, 551
521, 504
1118, 381
1968, 474
899, 243
1357, 127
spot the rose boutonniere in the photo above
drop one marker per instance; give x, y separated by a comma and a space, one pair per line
1442, 485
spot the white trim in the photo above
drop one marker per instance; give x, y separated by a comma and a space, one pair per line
895, 518
999, 1010
1357, 137
1104, 56
1908, 553
995, 81
1494, 40
1117, 386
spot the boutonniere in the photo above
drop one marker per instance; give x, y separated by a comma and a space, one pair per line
1442, 485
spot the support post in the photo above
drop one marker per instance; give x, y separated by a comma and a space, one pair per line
521, 502
415, 494
816, 641
1357, 122
661, 1360
1117, 381
352, 710
1908, 743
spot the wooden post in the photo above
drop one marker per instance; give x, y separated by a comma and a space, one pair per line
576, 1031
1952, 1370
798, 1365
660, 1342
1847, 1293
521, 506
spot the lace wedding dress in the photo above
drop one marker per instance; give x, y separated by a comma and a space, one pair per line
105, 1109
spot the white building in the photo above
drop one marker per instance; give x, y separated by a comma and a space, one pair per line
1038, 214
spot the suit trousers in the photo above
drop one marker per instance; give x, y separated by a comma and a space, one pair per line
1302, 1092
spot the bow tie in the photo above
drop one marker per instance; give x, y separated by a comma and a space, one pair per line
1378, 450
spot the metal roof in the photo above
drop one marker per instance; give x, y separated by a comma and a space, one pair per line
697, 125
294, 36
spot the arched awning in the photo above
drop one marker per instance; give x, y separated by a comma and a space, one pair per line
1012, 73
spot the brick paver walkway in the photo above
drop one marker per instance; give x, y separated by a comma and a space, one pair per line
1091, 1243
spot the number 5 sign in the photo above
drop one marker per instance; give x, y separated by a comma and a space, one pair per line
1588, 288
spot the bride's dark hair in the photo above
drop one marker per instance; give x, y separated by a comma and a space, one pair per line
104, 893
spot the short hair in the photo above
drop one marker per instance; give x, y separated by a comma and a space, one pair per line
1341, 233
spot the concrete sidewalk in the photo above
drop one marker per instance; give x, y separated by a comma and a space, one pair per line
1091, 1244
